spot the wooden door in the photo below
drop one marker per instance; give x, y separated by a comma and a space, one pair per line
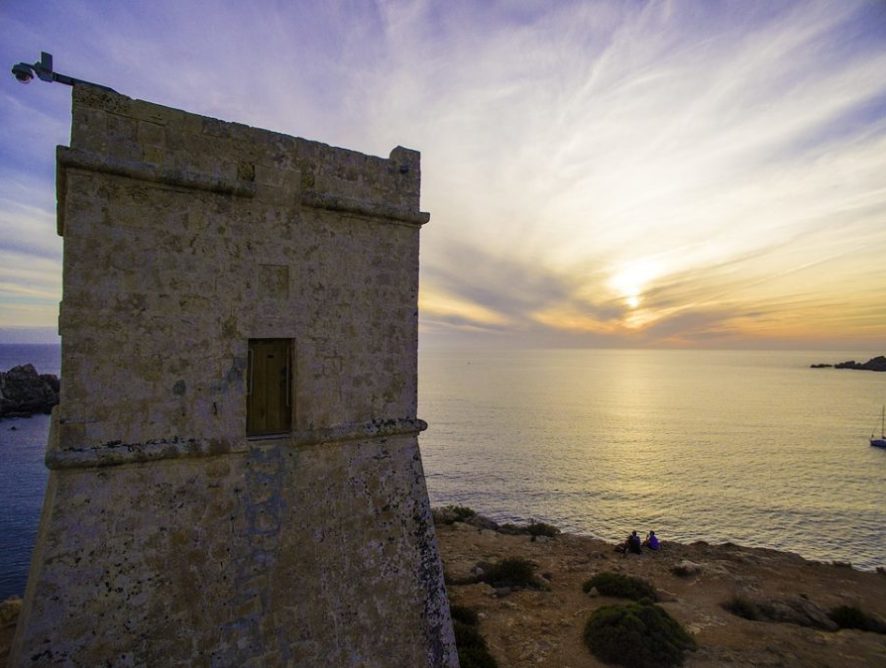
269, 391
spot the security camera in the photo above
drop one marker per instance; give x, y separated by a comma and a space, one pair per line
42, 69
23, 73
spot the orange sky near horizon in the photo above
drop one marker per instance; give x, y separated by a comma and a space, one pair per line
599, 173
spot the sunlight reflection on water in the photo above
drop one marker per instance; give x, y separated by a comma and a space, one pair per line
749, 447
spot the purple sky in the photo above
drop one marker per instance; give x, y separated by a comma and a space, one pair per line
616, 173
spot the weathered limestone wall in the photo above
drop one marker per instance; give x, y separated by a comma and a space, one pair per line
168, 537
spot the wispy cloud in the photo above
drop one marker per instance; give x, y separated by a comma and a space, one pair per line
608, 172
710, 146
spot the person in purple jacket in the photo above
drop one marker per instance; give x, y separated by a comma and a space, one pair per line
652, 541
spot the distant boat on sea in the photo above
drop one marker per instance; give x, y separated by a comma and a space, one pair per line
880, 442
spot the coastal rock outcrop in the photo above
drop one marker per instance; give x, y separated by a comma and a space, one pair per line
24, 392
874, 364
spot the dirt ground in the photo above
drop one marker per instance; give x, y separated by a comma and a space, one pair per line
544, 628
541, 628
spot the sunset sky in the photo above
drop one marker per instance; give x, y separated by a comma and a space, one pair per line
601, 173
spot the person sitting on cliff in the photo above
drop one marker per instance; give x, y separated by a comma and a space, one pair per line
652, 541
632, 544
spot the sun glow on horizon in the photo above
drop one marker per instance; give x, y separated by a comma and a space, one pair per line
631, 279
597, 172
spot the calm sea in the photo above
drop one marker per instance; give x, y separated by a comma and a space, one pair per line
22, 473
749, 447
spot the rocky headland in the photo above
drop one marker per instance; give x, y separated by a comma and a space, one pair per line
705, 588
874, 364
24, 392
792, 598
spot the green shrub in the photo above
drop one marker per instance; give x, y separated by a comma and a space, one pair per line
542, 529
532, 529
472, 650
621, 586
461, 513
743, 607
447, 515
511, 572
636, 635
850, 617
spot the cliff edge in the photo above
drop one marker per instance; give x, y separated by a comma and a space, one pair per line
543, 626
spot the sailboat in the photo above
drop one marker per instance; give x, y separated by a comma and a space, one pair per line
880, 442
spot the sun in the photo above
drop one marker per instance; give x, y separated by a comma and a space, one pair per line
631, 279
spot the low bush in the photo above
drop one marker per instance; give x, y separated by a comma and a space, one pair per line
851, 617
462, 513
542, 529
621, 586
533, 529
511, 572
636, 635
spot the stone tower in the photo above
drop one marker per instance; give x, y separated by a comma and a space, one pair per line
235, 475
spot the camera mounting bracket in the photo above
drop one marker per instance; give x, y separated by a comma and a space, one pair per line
43, 70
